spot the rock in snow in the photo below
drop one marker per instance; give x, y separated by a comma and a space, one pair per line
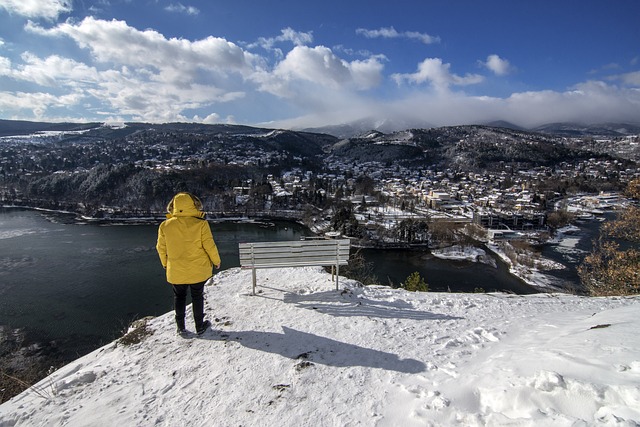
300, 353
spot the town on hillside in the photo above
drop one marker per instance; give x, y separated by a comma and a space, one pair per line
425, 187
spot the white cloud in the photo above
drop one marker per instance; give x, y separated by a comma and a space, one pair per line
47, 9
182, 74
630, 79
214, 118
36, 102
497, 65
5, 66
432, 70
589, 102
115, 41
54, 71
320, 67
180, 8
211, 119
367, 74
359, 52
391, 33
287, 35
129, 94
142, 73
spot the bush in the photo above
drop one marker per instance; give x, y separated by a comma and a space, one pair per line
359, 269
137, 332
415, 283
560, 218
20, 368
608, 271
612, 267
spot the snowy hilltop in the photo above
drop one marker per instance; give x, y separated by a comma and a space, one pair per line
300, 353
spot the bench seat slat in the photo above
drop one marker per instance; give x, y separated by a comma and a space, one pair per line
296, 243
299, 253
307, 260
290, 264
281, 254
291, 261
293, 250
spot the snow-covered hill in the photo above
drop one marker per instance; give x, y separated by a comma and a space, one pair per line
302, 354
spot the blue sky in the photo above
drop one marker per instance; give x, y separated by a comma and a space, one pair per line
296, 64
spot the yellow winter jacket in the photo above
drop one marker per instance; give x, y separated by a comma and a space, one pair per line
185, 243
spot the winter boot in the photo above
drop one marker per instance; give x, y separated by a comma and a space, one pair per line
203, 328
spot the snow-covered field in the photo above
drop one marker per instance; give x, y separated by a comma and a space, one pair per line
302, 354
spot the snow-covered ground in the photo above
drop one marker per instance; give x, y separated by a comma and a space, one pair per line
565, 240
302, 354
532, 275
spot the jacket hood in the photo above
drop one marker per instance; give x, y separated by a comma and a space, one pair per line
185, 204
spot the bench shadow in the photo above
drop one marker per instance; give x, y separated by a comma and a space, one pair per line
306, 347
346, 303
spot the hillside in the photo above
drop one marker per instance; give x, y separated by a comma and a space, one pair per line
302, 354
474, 148
353, 129
22, 127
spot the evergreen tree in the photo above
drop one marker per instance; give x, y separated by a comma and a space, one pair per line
415, 283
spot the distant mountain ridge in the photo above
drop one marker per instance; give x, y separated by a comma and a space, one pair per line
342, 131
18, 127
295, 142
358, 127
22, 127
349, 130
467, 147
578, 130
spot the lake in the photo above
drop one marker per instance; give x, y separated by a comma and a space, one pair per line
77, 286
73, 287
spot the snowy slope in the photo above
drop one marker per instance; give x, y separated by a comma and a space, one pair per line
301, 354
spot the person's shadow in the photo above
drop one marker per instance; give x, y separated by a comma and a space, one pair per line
310, 348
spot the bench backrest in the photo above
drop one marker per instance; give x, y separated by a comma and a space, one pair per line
294, 253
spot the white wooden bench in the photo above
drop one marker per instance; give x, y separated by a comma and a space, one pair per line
298, 253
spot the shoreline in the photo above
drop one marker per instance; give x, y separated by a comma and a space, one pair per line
153, 219
533, 277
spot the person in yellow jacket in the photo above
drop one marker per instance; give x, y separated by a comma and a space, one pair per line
187, 252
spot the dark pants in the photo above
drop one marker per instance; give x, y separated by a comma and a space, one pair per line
197, 303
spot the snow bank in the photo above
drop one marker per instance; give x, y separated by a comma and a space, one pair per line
464, 253
302, 354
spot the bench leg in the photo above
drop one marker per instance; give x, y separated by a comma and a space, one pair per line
253, 273
337, 273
